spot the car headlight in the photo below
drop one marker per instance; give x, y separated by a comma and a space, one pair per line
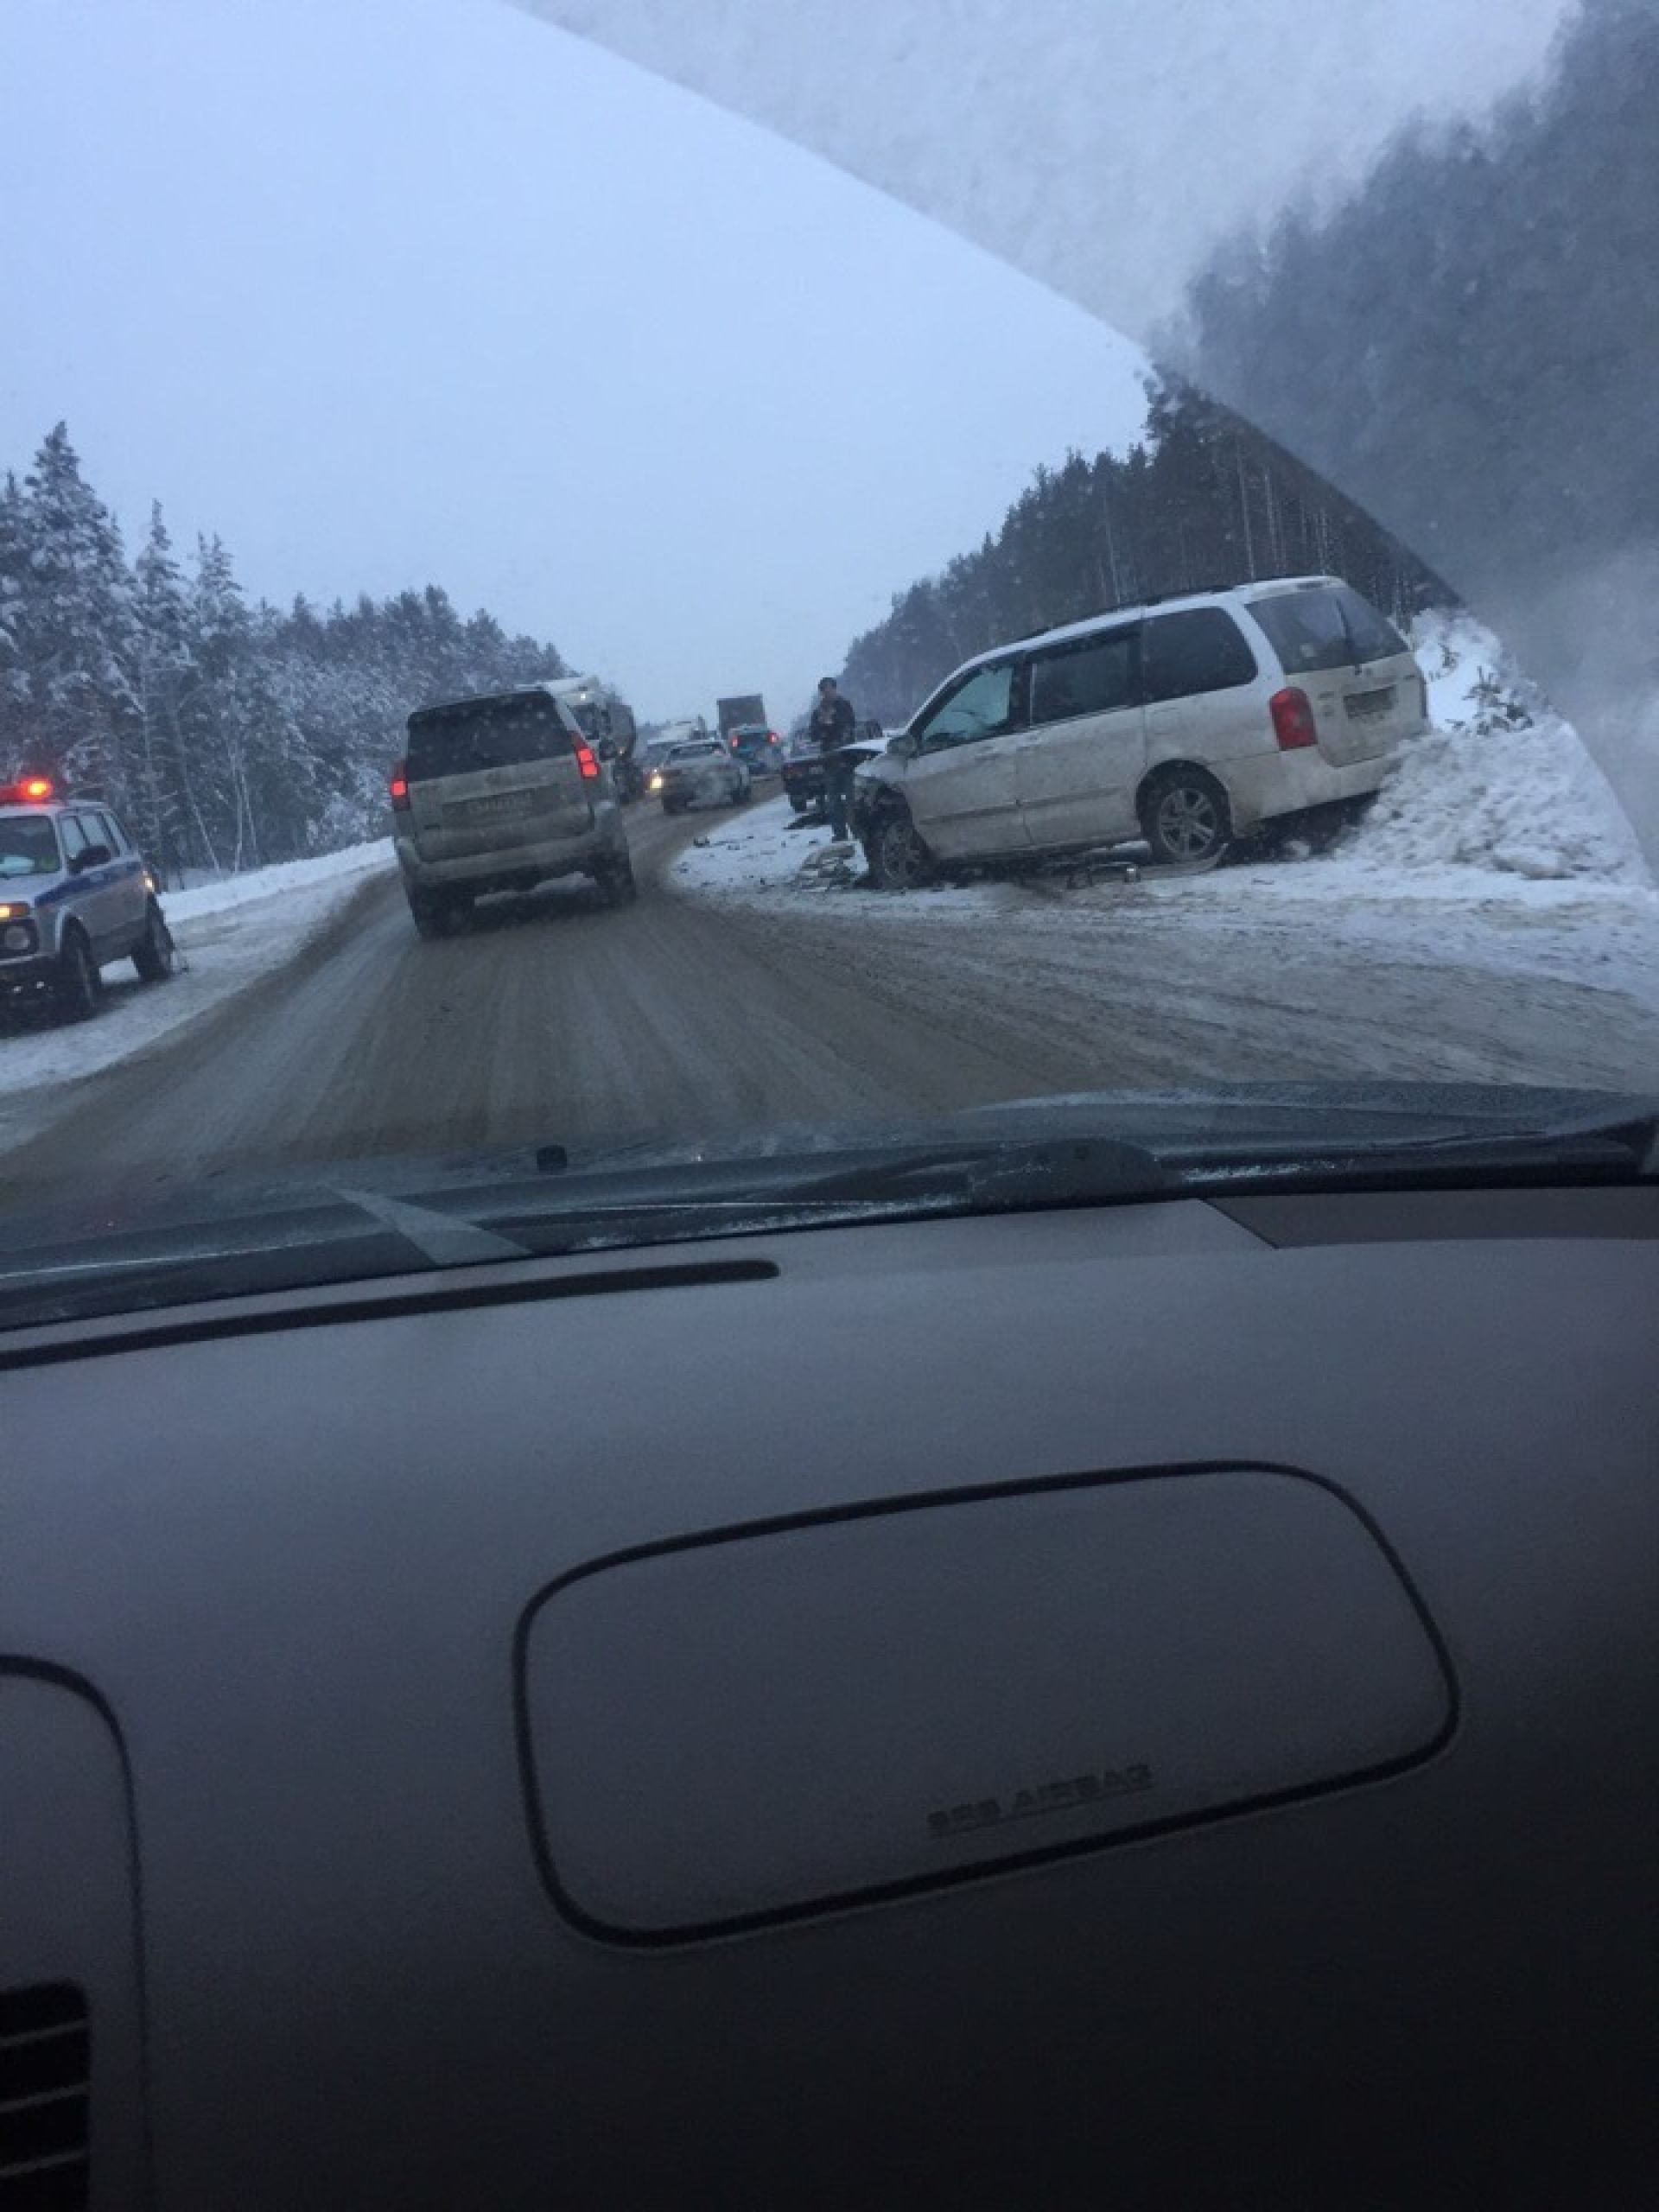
17, 936
656, 784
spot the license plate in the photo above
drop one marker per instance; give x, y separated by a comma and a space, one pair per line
1370, 705
499, 806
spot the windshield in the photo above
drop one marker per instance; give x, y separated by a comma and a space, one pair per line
28, 845
977, 707
1235, 483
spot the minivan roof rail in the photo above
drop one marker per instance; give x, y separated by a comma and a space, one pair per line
1186, 591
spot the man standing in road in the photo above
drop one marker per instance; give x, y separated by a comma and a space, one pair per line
830, 727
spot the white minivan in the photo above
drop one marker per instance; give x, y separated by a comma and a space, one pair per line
1189, 723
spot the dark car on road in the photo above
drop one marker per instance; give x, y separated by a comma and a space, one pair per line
759, 749
803, 768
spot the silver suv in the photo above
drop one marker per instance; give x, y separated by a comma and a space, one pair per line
74, 895
1188, 722
498, 793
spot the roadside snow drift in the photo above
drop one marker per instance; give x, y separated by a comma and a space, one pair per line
1501, 781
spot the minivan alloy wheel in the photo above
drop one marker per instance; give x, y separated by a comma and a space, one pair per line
899, 859
1186, 820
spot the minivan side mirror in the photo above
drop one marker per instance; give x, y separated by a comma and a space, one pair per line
904, 746
91, 857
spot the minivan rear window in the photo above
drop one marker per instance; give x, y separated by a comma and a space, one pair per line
476, 734
1330, 628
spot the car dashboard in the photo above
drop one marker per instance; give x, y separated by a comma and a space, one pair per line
1149, 1704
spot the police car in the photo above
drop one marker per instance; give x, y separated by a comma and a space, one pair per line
73, 896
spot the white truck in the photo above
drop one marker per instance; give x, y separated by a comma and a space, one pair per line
608, 722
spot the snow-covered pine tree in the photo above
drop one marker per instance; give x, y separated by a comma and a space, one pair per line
77, 629
13, 674
216, 708
166, 817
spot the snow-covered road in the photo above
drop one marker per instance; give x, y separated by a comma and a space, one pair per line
724, 1012
1491, 923
1273, 973
1493, 918
232, 934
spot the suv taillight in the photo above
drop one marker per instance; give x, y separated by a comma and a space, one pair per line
587, 762
1293, 719
400, 788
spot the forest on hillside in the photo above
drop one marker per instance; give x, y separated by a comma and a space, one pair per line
1466, 340
1201, 499
227, 734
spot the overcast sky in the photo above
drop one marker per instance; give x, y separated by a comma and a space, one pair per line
396, 291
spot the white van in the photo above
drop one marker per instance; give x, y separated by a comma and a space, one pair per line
1187, 722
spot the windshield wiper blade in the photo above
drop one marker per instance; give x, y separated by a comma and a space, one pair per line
751, 1193
1615, 1153
1065, 1171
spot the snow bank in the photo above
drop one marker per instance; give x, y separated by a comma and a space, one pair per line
1367, 910
289, 876
1501, 782
232, 933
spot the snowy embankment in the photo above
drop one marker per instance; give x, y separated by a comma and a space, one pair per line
230, 933
1500, 784
1496, 846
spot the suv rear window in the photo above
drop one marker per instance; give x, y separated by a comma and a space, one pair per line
478, 734
1197, 649
1333, 627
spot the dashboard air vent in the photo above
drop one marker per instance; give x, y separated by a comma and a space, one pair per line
45, 2083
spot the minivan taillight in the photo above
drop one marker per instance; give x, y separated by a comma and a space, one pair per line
587, 762
1293, 719
400, 788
